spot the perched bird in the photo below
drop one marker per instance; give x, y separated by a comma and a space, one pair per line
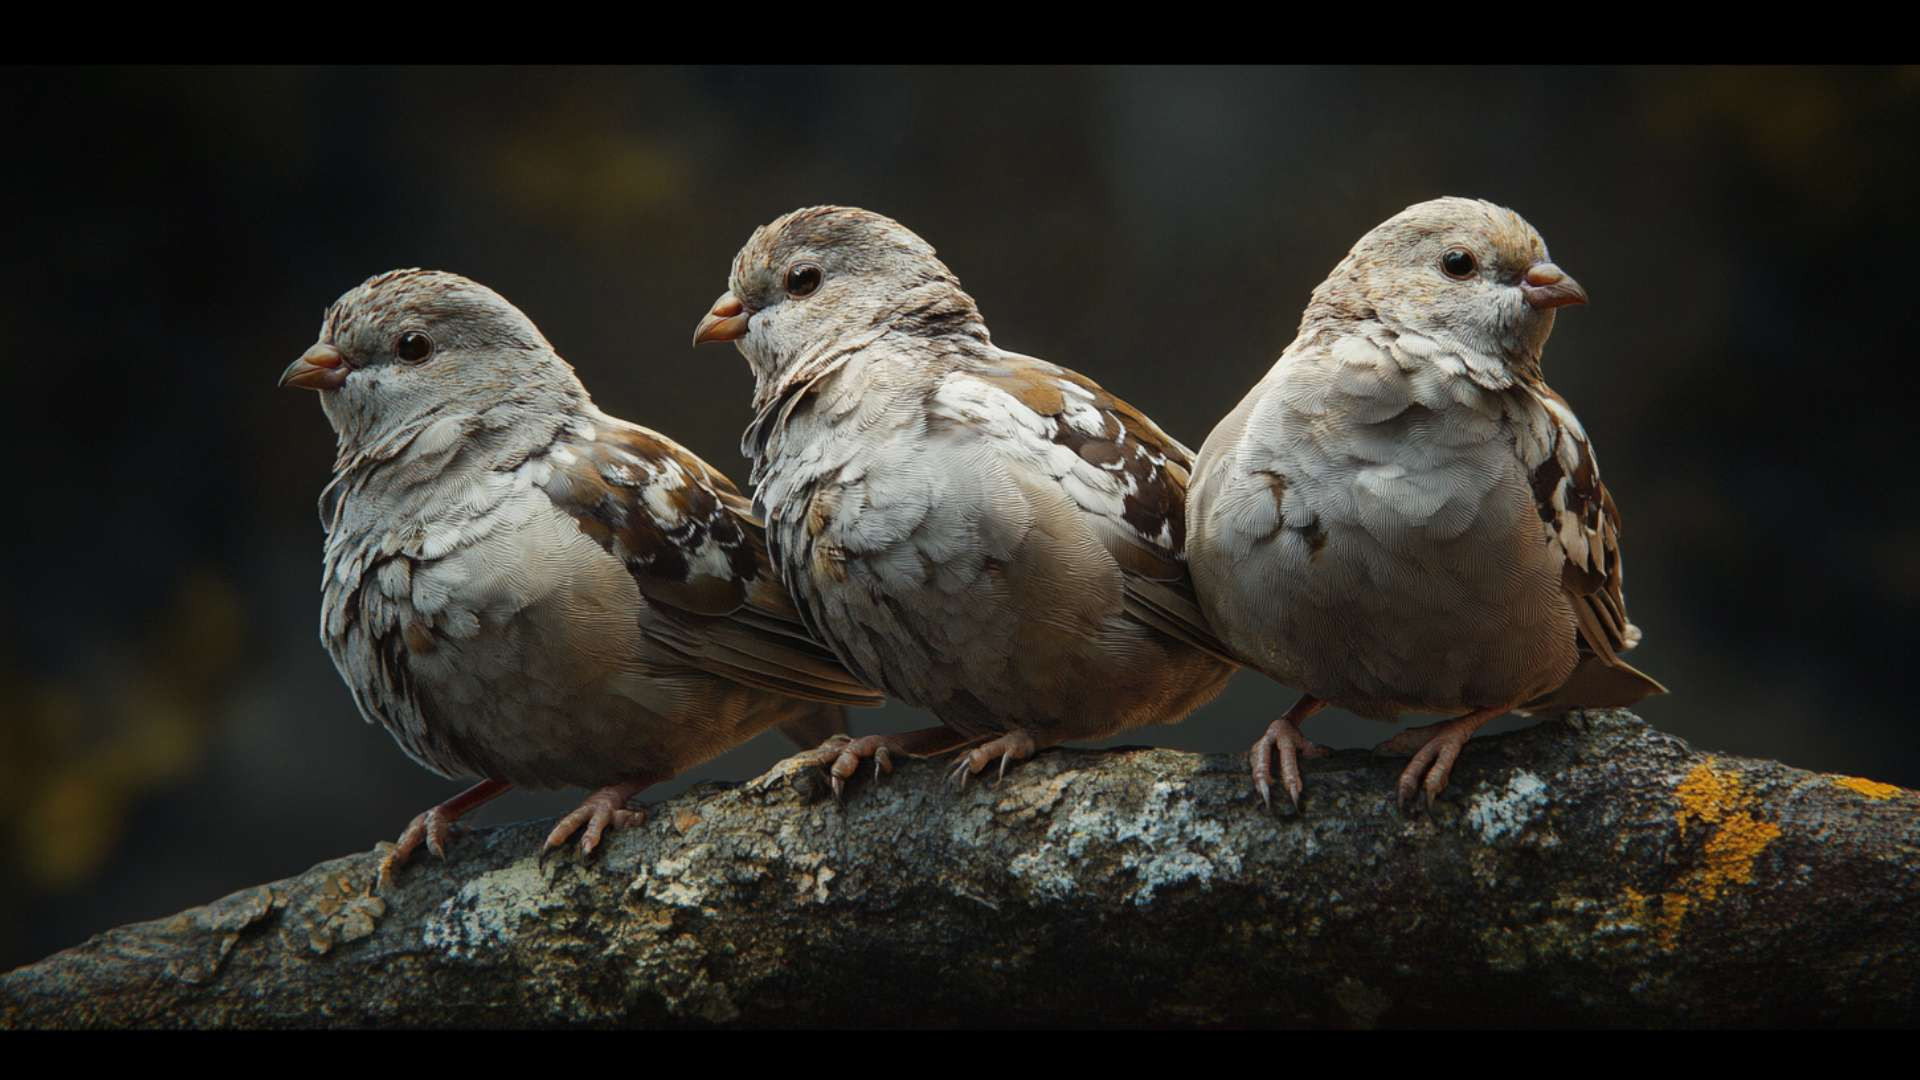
1402, 516
486, 528
981, 533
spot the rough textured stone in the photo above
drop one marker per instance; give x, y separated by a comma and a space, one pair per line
1589, 871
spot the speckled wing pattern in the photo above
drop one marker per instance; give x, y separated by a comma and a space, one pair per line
1582, 521
698, 555
1128, 474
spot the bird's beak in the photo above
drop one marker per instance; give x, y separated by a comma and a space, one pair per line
1547, 286
726, 322
319, 368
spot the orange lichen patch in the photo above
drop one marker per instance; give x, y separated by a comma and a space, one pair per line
1713, 798
1731, 853
1631, 911
1706, 795
1872, 789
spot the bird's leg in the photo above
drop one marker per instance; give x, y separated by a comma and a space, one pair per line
1434, 748
603, 810
1284, 738
841, 755
435, 826
1016, 745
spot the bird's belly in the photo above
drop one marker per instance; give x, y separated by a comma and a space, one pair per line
1411, 621
565, 691
998, 608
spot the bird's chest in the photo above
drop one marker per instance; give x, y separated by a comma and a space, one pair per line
906, 546
493, 654
1410, 486
849, 479
1425, 577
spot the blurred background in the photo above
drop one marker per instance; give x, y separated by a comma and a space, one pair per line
172, 730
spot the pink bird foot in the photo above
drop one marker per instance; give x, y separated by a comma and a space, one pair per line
1435, 747
1284, 740
435, 827
600, 812
841, 755
1011, 747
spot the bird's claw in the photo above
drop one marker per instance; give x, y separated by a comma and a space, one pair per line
1282, 740
1012, 747
1432, 765
600, 813
840, 756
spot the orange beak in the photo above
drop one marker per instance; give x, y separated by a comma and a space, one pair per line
727, 321
1548, 286
319, 368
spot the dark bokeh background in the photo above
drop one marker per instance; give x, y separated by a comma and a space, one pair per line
172, 730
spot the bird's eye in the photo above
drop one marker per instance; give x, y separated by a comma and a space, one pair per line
1457, 262
413, 347
802, 279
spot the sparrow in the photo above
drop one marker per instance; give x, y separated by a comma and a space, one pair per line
525, 590
984, 534
1403, 516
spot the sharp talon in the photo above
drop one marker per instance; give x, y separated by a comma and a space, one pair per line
1004, 758
1266, 795
1283, 740
839, 789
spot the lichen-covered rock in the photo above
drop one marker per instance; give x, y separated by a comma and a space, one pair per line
1589, 871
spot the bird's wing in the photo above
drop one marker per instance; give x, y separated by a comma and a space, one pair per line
1129, 476
1584, 525
699, 556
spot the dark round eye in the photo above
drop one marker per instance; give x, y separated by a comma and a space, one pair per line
802, 279
413, 347
1457, 262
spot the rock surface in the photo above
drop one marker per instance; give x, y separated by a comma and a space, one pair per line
1587, 871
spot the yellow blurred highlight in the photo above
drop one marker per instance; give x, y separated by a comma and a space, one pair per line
77, 757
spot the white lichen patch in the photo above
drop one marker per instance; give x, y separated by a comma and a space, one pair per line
488, 910
1024, 803
1503, 815
812, 885
669, 883
1166, 841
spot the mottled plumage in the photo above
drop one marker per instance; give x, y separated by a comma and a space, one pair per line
487, 527
987, 535
1402, 516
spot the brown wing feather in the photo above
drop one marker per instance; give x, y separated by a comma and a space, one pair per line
1152, 468
1583, 522
695, 550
